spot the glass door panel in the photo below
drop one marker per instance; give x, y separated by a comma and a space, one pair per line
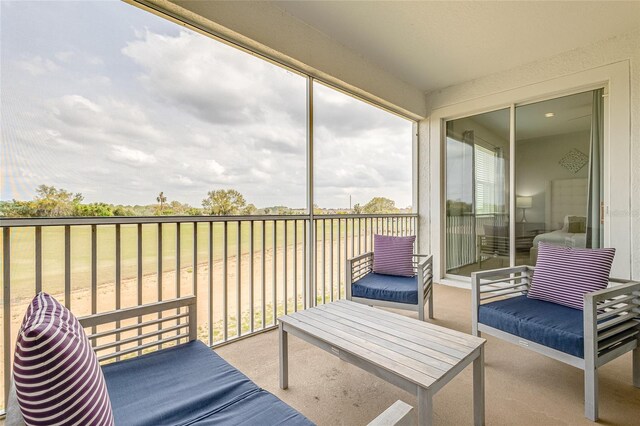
554, 148
477, 193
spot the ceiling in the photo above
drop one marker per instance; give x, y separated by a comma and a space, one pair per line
432, 45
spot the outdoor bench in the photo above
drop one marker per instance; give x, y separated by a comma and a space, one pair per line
183, 384
605, 329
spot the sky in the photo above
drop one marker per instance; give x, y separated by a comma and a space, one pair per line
105, 99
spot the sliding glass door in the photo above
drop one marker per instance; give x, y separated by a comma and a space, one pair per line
558, 164
556, 194
477, 193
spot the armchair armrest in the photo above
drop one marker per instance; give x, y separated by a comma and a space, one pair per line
357, 267
398, 414
611, 321
506, 281
424, 270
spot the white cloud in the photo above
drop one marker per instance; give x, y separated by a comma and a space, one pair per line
96, 80
214, 81
182, 180
36, 65
175, 111
64, 56
216, 167
78, 102
132, 156
94, 60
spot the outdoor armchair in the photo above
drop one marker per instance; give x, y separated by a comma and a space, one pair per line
409, 293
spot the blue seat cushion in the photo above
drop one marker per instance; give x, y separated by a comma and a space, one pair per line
190, 384
387, 287
549, 324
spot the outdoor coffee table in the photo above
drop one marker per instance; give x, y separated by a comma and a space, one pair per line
414, 355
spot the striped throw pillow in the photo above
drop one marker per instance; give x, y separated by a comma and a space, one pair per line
57, 376
393, 255
563, 275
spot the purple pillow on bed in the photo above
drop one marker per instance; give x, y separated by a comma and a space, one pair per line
57, 376
563, 275
393, 255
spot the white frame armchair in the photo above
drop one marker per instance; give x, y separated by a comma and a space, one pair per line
359, 266
611, 324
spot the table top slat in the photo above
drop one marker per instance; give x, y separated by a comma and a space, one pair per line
370, 355
463, 338
414, 342
431, 366
437, 342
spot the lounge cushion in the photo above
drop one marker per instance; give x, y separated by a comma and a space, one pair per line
387, 287
190, 384
549, 324
565, 274
57, 376
393, 255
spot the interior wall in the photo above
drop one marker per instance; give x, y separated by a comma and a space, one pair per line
625, 47
538, 162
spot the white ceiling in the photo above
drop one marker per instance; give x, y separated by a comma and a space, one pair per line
431, 45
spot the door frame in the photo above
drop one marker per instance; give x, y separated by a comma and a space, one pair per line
615, 78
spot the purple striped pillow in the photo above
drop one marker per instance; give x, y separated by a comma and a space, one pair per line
563, 275
56, 373
393, 255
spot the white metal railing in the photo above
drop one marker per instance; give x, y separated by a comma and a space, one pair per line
245, 270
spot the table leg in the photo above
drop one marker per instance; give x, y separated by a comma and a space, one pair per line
425, 407
478, 388
284, 357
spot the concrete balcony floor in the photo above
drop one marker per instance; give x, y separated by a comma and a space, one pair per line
522, 388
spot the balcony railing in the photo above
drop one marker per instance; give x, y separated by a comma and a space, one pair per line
245, 270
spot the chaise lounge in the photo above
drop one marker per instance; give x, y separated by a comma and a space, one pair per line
185, 384
179, 385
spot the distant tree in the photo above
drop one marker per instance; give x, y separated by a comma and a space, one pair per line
161, 199
15, 208
224, 202
124, 211
50, 201
458, 208
357, 208
93, 209
193, 211
249, 210
380, 205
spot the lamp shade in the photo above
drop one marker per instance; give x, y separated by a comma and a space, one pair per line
524, 202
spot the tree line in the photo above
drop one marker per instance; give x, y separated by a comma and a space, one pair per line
50, 201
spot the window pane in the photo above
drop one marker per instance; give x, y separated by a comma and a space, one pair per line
362, 156
477, 198
115, 103
553, 159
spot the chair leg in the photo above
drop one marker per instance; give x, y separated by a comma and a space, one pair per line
421, 314
431, 303
474, 329
591, 394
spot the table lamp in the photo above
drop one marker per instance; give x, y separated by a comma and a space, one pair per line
524, 203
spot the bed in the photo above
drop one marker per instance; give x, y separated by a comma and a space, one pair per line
565, 202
